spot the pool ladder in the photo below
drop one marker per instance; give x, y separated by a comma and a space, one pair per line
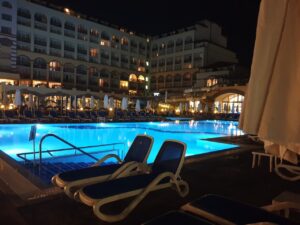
73, 147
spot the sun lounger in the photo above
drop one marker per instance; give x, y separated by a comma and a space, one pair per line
177, 217
226, 211
164, 174
288, 171
136, 155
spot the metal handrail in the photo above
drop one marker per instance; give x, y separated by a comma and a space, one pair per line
21, 155
64, 141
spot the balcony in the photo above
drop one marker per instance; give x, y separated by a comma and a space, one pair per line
40, 26
133, 49
177, 84
39, 74
23, 46
124, 47
178, 67
82, 36
169, 67
24, 71
124, 65
142, 52
82, 57
170, 50
104, 61
69, 55
24, 21
93, 59
55, 52
55, 76
55, 29
94, 39
68, 77
188, 46
40, 49
178, 48
69, 33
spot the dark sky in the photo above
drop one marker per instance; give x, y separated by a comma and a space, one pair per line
237, 17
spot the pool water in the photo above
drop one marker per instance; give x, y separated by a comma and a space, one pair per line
14, 137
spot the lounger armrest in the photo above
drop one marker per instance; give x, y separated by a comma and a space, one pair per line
125, 170
100, 161
154, 185
281, 206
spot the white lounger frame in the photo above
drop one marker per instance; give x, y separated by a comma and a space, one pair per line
175, 182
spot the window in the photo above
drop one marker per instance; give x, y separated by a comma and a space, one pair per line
93, 52
6, 17
7, 5
123, 84
132, 77
6, 30
54, 66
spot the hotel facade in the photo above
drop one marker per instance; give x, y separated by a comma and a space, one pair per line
50, 46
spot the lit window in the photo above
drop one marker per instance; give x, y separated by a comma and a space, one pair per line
54, 66
123, 84
146, 87
93, 52
141, 78
147, 63
147, 79
132, 92
101, 82
132, 78
67, 11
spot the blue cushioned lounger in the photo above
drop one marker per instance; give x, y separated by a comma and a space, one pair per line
164, 174
136, 155
227, 211
177, 217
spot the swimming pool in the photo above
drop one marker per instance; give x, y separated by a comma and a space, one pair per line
14, 137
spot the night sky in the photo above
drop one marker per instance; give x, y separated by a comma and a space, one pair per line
237, 17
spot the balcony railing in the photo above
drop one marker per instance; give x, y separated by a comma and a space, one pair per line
93, 59
24, 71
124, 47
55, 30
24, 46
69, 33
24, 21
188, 46
69, 55
40, 49
40, 26
55, 52
104, 61
81, 57
178, 48
39, 74
94, 39
55, 76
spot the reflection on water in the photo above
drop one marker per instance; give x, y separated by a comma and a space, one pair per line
14, 138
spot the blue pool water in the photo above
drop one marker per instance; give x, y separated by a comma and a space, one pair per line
14, 138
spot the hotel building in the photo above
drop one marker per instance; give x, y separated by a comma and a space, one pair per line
46, 45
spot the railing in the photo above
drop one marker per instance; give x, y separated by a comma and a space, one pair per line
23, 156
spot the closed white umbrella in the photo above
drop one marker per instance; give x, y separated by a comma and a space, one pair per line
105, 102
148, 107
74, 103
18, 100
137, 106
92, 102
83, 102
180, 107
199, 106
124, 104
30, 101
272, 104
206, 108
111, 103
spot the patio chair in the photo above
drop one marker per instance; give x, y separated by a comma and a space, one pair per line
226, 211
29, 116
136, 155
288, 171
177, 217
164, 174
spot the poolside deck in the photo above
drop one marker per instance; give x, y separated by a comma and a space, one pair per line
229, 175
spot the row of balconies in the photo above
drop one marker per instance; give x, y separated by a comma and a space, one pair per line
39, 47
82, 82
173, 49
82, 36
